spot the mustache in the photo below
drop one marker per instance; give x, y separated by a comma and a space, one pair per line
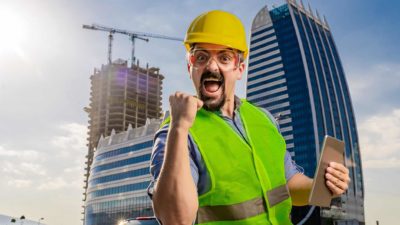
209, 74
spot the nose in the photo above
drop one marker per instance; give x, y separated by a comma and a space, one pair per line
212, 65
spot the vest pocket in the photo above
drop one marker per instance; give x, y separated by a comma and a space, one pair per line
277, 195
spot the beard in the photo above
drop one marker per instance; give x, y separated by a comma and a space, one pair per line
212, 104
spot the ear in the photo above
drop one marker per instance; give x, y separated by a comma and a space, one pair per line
189, 68
188, 65
241, 69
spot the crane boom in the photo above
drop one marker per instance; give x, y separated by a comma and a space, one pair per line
135, 33
132, 34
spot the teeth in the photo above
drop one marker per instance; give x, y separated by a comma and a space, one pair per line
211, 80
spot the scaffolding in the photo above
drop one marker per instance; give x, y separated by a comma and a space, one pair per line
120, 97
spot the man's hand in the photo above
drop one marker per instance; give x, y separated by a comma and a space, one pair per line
337, 178
183, 109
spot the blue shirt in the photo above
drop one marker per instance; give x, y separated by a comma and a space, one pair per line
198, 169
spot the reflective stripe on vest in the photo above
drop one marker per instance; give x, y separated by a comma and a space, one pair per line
242, 210
239, 211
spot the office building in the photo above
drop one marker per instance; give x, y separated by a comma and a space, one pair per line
296, 73
120, 175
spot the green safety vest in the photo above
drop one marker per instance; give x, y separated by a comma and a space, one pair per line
248, 184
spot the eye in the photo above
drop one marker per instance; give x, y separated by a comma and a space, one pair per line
201, 57
225, 57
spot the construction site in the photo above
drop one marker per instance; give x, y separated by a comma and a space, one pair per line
122, 95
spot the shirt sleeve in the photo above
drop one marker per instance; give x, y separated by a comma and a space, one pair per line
157, 159
291, 168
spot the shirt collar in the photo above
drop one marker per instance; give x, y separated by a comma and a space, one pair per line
237, 103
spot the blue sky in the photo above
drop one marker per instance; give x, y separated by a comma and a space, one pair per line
46, 59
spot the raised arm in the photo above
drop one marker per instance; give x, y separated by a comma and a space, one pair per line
175, 194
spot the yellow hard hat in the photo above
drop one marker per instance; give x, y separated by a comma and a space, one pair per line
217, 27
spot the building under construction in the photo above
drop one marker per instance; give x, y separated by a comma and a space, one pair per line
120, 95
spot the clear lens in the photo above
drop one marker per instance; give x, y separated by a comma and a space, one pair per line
226, 59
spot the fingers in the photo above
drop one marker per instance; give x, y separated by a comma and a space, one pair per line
182, 98
337, 178
199, 103
339, 167
178, 95
183, 109
339, 171
336, 191
337, 183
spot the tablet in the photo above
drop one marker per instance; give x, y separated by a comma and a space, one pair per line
332, 151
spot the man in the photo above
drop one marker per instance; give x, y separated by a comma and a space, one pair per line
218, 159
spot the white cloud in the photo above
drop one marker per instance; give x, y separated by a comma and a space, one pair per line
19, 183
380, 140
9, 168
53, 184
22, 154
373, 75
21, 163
45, 169
74, 138
374, 85
24, 169
72, 169
67, 171
76, 169
393, 162
60, 183
33, 168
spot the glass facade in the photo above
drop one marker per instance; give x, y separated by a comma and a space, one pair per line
125, 150
295, 72
121, 163
119, 177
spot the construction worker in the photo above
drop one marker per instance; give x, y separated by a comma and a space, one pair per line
218, 159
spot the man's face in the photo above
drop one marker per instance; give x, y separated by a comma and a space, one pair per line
214, 70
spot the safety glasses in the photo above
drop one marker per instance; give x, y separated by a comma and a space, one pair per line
226, 59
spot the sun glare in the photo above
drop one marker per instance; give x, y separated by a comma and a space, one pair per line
13, 30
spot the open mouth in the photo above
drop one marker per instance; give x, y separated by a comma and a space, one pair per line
212, 90
212, 85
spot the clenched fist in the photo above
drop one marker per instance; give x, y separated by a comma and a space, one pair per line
183, 109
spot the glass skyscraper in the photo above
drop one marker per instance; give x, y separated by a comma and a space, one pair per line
295, 72
120, 175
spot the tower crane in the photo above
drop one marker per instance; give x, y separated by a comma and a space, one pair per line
132, 35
